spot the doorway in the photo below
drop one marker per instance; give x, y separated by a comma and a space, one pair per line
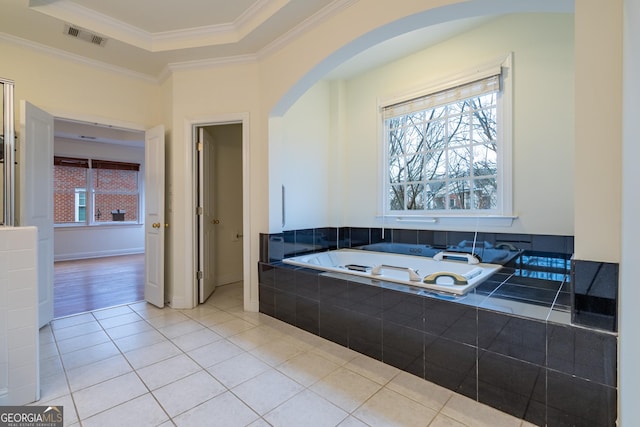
218, 149
99, 258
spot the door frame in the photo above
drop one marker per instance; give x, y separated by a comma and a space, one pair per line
99, 120
250, 292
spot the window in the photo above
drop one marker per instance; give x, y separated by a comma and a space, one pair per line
447, 151
90, 192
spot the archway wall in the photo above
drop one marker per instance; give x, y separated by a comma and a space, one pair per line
266, 89
347, 166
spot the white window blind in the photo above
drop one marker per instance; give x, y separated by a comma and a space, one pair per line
457, 93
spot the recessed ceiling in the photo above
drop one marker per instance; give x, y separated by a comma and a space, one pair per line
148, 37
145, 36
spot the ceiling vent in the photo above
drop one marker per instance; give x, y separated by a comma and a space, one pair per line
86, 35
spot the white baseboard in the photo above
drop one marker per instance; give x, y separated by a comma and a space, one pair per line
97, 254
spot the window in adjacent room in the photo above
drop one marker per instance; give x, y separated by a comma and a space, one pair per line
93, 191
448, 149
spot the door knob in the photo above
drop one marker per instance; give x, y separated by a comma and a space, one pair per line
156, 225
215, 221
166, 226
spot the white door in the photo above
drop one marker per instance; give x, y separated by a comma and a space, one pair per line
207, 220
36, 195
154, 216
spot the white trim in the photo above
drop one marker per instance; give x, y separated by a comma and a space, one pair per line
98, 254
250, 287
199, 64
208, 35
325, 13
127, 33
450, 220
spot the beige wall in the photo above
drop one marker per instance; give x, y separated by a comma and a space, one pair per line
299, 151
208, 96
77, 90
543, 120
598, 130
267, 87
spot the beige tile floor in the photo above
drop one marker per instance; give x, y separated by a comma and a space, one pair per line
217, 365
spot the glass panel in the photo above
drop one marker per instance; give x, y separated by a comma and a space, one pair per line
116, 195
484, 125
396, 170
459, 130
396, 147
396, 197
115, 180
436, 167
459, 195
459, 163
414, 139
434, 135
485, 160
485, 193
415, 168
116, 207
415, 200
435, 195
459, 107
68, 184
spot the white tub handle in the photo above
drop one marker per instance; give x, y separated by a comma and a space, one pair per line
471, 259
413, 276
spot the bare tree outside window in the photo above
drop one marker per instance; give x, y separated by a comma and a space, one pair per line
444, 158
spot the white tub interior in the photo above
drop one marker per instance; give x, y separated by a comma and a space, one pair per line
405, 269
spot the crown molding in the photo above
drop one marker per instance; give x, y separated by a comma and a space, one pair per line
208, 63
305, 26
243, 20
209, 35
58, 53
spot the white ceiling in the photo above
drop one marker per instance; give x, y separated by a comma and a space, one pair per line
145, 36
148, 37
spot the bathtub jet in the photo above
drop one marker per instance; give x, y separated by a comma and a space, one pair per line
450, 273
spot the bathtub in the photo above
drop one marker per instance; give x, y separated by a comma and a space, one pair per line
446, 272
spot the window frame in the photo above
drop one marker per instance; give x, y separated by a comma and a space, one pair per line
90, 191
503, 214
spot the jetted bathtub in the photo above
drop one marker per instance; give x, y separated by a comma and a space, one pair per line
448, 272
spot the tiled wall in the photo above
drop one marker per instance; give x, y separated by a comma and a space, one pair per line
19, 369
547, 373
595, 295
539, 371
594, 292
274, 247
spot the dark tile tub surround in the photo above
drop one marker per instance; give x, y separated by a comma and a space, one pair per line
536, 365
595, 297
275, 247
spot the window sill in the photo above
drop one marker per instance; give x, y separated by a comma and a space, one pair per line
452, 220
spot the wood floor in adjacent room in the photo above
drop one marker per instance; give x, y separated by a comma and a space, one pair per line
90, 284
